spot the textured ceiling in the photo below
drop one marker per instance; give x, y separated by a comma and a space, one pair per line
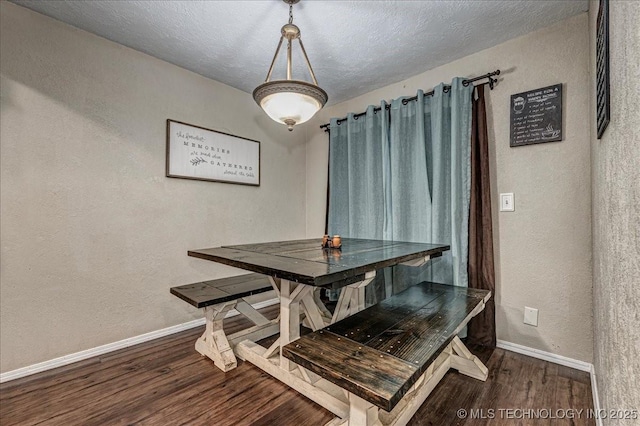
354, 46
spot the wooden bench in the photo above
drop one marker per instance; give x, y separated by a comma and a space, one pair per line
217, 298
390, 356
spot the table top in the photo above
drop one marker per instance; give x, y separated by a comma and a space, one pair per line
305, 261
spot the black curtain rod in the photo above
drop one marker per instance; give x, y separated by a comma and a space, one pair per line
491, 81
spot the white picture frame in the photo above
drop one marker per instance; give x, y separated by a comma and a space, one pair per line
198, 153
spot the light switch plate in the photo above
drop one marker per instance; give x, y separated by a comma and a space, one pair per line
507, 203
531, 316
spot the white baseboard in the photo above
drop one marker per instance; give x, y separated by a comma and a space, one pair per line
596, 397
110, 347
546, 356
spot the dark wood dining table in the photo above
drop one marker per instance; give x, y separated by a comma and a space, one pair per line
297, 270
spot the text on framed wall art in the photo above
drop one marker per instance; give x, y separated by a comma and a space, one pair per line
536, 116
195, 152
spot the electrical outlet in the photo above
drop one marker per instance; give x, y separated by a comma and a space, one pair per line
507, 203
531, 316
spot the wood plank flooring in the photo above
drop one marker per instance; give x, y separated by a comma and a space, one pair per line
165, 382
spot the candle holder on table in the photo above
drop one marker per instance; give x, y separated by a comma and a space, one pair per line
334, 242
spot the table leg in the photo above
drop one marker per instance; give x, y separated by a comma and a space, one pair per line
324, 312
290, 296
293, 294
295, 297
351, 298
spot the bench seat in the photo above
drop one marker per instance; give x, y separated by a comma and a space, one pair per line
222, 290
380, 353
217, 298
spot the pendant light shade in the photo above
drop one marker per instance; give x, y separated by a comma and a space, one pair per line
289, 101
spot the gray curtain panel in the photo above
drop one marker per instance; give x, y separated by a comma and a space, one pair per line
404, 174
358, 188
358, 172
430, 197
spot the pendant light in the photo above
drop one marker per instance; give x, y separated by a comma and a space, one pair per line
290, 101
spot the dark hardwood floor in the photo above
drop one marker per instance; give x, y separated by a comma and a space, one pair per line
165, 382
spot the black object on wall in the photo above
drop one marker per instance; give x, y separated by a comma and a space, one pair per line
603, 110
536, 116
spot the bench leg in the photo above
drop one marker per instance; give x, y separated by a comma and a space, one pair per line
466, 362
455, 355
361, 412
417, 395
213, 343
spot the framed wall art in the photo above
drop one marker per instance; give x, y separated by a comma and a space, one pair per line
603, 109
536, 116
195, 152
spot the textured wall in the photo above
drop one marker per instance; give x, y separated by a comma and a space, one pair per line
543, 249
616, 215
93, 233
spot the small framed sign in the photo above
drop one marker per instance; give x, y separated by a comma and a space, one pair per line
603, 109
536, 116
198, 153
